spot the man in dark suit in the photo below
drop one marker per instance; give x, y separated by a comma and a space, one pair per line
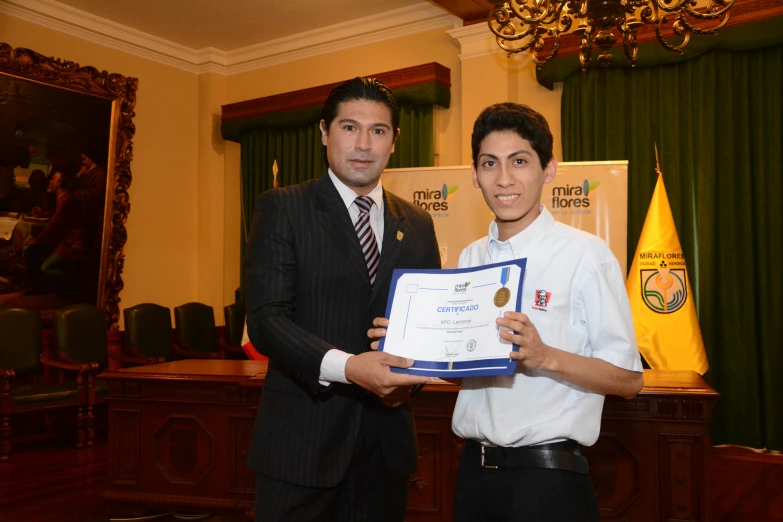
334, 437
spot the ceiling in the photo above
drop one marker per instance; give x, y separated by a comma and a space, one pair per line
230, 25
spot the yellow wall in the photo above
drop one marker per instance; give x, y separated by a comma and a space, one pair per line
161, 252
211, 195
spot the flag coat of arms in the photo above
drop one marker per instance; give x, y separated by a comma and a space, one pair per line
664, 312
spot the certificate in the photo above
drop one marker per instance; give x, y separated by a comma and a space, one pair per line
445, 319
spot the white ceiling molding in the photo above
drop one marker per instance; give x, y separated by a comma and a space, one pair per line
362, 31
474, 41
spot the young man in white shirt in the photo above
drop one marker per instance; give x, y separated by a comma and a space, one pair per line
523, 458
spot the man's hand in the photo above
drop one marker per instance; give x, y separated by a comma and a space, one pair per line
533, 353
370, 370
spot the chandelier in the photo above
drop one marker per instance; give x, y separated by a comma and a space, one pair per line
522, 25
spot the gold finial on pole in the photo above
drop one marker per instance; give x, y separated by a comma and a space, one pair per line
274, 173
657, 165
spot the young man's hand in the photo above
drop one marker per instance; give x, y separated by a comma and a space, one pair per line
533, 353
379, 330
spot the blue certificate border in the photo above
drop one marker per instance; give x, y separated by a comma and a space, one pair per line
475, 368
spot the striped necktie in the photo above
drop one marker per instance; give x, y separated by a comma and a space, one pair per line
372, 255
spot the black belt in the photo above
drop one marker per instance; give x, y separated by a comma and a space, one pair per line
566, 455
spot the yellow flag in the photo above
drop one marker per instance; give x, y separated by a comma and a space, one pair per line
664, 313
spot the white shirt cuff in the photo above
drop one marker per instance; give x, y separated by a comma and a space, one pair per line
333, 367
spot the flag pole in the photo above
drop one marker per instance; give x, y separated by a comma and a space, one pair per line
657, 165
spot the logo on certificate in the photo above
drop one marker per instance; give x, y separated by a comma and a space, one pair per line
471, 345
542, 300
461, 288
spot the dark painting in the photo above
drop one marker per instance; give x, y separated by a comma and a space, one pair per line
64, 171
54, 149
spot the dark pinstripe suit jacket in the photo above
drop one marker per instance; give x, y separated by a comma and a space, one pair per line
308, 291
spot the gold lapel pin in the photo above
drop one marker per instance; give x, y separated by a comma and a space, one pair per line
399, 235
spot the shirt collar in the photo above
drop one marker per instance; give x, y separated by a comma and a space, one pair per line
348, 195
521, 243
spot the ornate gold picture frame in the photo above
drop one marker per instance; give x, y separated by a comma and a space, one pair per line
54, 115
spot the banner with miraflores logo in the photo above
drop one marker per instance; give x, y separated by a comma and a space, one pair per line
591, 196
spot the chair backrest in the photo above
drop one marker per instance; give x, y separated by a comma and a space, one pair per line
235, 323
81, 333
21, 344
148, 329
195, 324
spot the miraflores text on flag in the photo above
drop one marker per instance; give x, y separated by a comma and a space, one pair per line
664, 312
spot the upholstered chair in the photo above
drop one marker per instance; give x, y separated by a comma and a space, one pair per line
231, 348
196, 335
149, 334
21, 373
80, 338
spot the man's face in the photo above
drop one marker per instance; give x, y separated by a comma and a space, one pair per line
359, 142
54, 182
84, 160
541, 296
510, 177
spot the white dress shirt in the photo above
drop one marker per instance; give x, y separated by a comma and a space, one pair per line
574, 293
333, 363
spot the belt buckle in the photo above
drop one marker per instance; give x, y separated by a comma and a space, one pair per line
482, 460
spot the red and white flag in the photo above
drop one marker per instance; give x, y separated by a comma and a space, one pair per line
248, 348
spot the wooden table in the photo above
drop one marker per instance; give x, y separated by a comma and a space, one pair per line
179, 432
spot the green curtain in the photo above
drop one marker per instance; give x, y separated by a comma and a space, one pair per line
718, 122
416, 146
299, 156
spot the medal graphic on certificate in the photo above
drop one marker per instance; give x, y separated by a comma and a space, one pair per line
503, 294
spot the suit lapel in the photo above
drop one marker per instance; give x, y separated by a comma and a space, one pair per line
337, 222
395, 226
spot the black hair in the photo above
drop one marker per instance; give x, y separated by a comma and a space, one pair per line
370, 89
97, 156
521, 119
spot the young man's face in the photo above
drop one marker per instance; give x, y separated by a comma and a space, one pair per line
359, 142
510, 177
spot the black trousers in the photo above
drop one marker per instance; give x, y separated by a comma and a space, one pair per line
521, 494
366, 494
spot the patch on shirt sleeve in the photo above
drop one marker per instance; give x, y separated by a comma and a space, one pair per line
542, 300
